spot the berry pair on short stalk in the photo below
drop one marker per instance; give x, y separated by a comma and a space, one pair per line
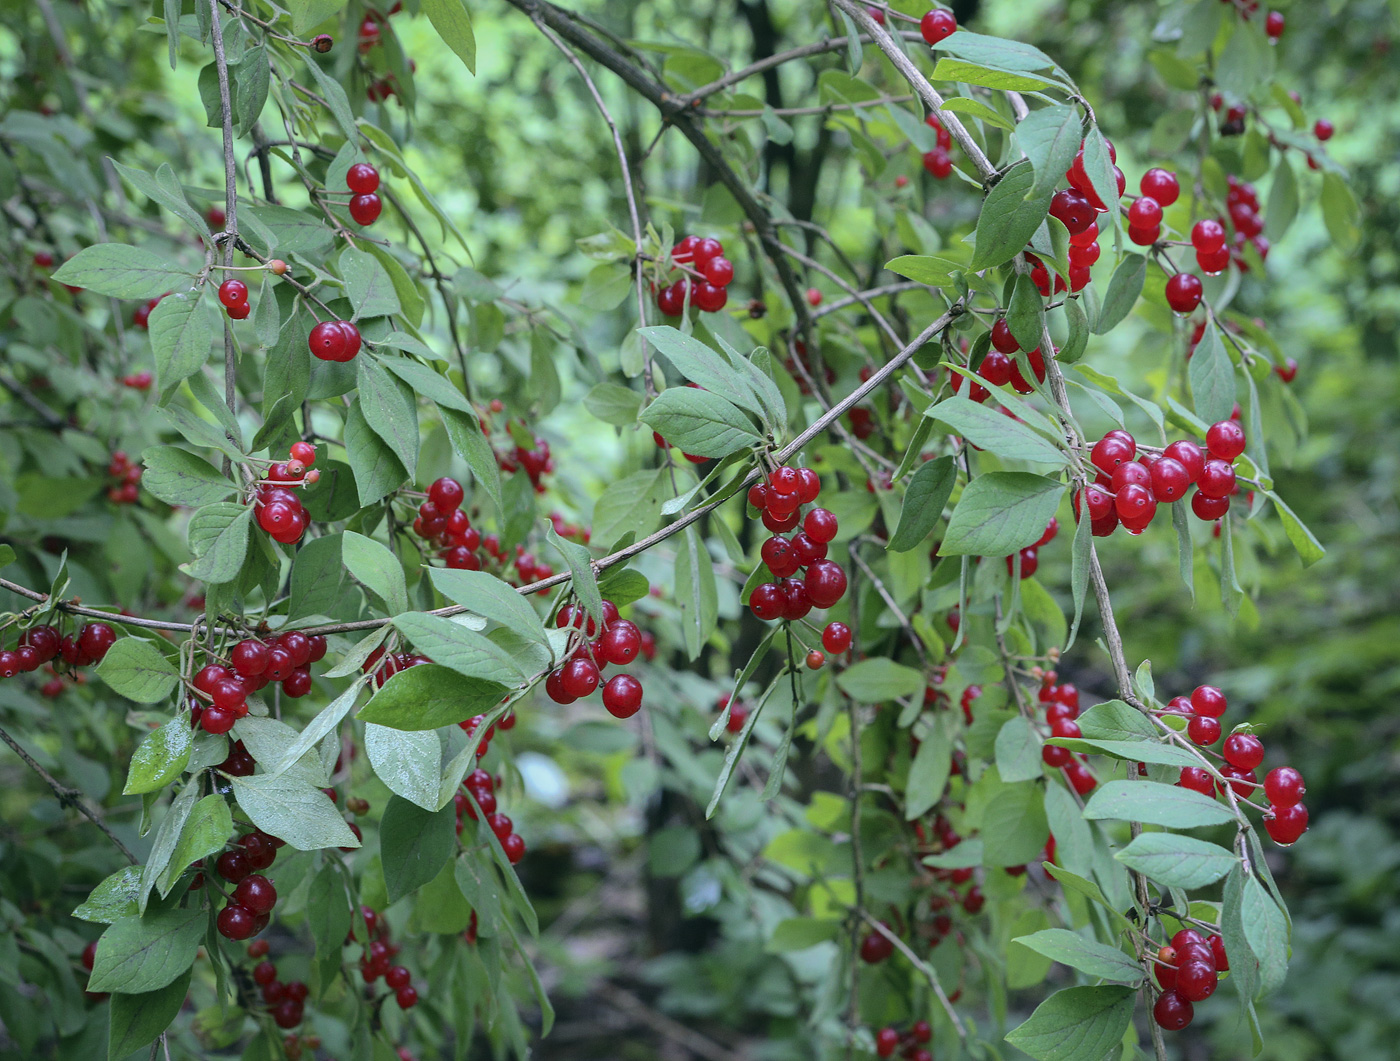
278, 507
1000, 366
233, 294
40, 644
334, 341
126, 477
363, 181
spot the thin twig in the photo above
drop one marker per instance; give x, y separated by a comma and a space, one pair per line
230, 234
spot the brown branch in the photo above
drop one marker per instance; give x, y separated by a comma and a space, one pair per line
230, 233
69, 797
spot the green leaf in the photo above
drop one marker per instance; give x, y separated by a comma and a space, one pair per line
1008, 220
924, 501
1177, 861
454, 25
873, 681
368, 285
1123, 292
252, 81
489, 597
375, 568
996, 432
1086, 955
463, 650
997, 51
1076, 1024
218, 536
409, 763
161, 757
1115, 720
389, 408
140, 954
292, 809
180, 338
1308, 547
325, 722
1025, 316
1078, 340
136, 1020
308, 14
695, 592
924, 269
580, 561
138, 670
427, 697
205, 832
113, 899
123, 272
613, 403
178, 477
317, 584
1133, 751
1266, 929
928, 773
700, 422
1244, 965
378, 471
699, 364
979, 110
986, 76
464, 432
336, 100
799, 933
631, 505
1154, 803
1282, 206
1018, 751
1050, 138
1212, 378
1339, 211
414, 845
1014, 829
1000, 513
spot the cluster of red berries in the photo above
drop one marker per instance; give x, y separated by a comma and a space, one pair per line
999, 367
138, 381
125, 477
249, 908
141, 316
535, 462
233, 295
334, 341
378, 960
938, 163
1076, 208
40, 644
1188, 969
935, 697
1159, 189
780, 500
363, 181
913, 1042
1214, 250
1285, 819
705, 277
1030, 555
482, 789
369, 32
442, 520
1129, 490
279, 509
1061, 701
221, 693
385, 666
615, 640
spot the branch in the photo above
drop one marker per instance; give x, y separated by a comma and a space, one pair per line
928, 971
69, 797
230, 234
835, 44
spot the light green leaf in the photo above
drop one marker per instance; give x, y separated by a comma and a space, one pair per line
1077, 1024
1177, 861
375, 568
1086, 955
161, 756
1001, 512
995, 432
123, 272
1154, 803
139, 671
454, 25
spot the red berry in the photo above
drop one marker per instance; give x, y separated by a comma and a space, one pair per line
1184, 292
514, 847
233, 293
938, 163
820, 525
709, 298
1225, 440
1073, 210
1209, 508
1196, 980
886, 1041
1145, 213
825, 583
1209, 701
446, 494
1217, 479
362, 178
766, 601
398, 977
1203, 731
1323, 129
236, 922
622, 696
719, 272
1243, 750
365, 209
1284, 786
1287, 823
1160, 186
705, 250
875, 948
1273, 25
1111, 451
328, 342
1002, 339
938, 25
1188, 455
579, 678
1198, 780
1172, 1012
836, 638
671, 300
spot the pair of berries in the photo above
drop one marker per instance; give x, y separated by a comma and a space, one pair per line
287, 1001
40, 644
126, 476
363, 181
249, 909
706, 275
888, 1039
1129, 490
938, 163
1188, 970
1030, 556
233, 294
780, 500
615, 640
536, 462
138, 381
334, 341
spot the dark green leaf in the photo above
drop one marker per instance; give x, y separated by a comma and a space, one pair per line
995, 432
1086, 955
1077, 1024
924, 501
1156, 804
123, 272
139, 671
427, 697
1008, 219
1177, 861
1001, 512
178, 477
140, 954
1123, 292
414, 845
136, 1020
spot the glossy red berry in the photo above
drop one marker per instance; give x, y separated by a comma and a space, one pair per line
1209, 508
1111, 451
1209, 701
1196, 980
233, 293
328, 342
1287, 823
1197, 779
1203, 731
1323, 129
719, 272
938, 163
362, 178
1284, 786
1073, 210
446, 494
836, 638
365, 209
256, 893
766, 601
1188, 455
1172, 1012
622, 696
1145, 213
1273, 25
820, 525
886, 1042
1225, 440
875, 948
710, 298
825, 583
1184, 292
514, 847
1161, 186
236, 922
1217, 479
1243, 750
1170, 480
580, 677
937, 25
